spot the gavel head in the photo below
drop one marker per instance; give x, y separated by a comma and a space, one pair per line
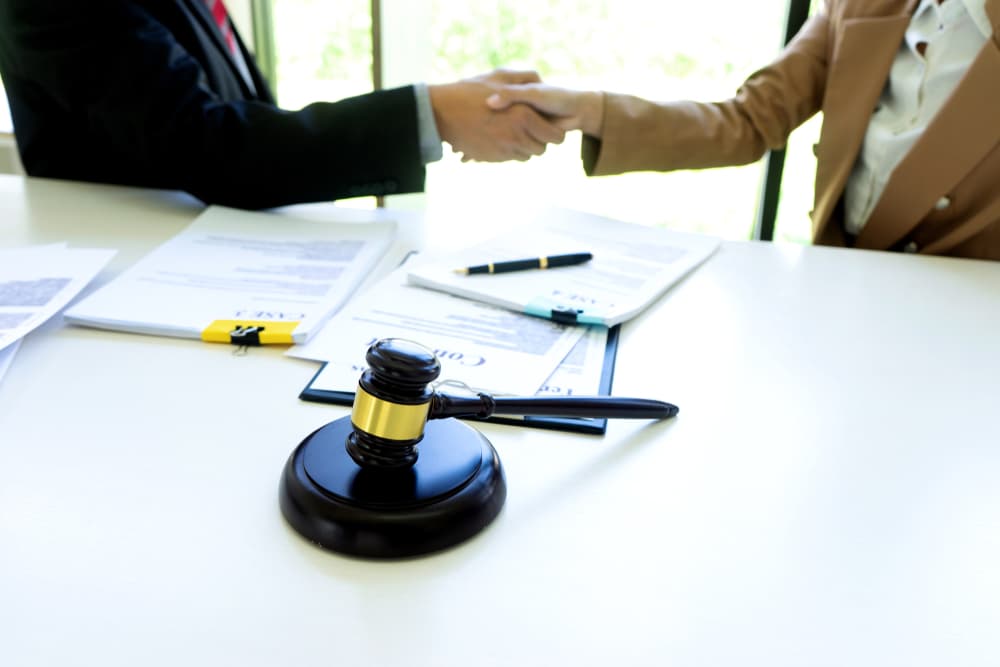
391, 404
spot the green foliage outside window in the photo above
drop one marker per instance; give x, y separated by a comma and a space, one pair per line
664, 50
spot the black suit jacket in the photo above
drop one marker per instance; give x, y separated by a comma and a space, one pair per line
144, 92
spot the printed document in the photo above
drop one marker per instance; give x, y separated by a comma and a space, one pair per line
632, 265
579, 373
480, 347
234, 269
36, 282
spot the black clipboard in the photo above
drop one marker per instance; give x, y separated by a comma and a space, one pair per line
593, 425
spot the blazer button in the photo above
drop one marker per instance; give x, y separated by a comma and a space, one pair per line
911, 247
942, 204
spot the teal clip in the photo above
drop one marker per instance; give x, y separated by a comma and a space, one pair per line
552, 310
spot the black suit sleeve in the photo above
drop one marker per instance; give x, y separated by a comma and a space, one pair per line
135, 93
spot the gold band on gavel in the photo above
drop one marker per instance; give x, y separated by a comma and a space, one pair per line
384, 419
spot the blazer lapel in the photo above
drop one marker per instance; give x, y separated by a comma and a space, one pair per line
958, 137
201, 14
862, 57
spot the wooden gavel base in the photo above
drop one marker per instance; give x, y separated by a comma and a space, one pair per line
453, 491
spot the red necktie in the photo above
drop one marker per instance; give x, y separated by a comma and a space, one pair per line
218, 9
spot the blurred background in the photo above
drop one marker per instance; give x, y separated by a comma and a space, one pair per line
321, 50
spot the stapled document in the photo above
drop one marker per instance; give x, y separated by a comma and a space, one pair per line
241, 277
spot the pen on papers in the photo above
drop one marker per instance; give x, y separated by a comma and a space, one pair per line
550, 262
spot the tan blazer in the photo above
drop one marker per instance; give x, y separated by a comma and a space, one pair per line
943, 198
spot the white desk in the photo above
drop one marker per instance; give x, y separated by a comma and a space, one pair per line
828, 496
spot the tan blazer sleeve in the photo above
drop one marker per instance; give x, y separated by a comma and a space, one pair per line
638, 134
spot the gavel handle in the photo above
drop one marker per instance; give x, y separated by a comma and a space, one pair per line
484, 405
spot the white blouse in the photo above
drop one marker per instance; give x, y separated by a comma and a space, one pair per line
940, 43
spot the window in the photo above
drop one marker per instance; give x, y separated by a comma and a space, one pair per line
10, 163
6, 124
664, 50
324, 50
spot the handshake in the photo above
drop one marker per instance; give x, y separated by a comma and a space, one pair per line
509, 115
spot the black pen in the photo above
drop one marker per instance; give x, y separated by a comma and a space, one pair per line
549, 262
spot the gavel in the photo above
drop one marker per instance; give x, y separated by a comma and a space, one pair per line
358, 486
394, 401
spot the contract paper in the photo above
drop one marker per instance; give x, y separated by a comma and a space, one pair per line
36, 282
480, 347
580, 372
632, 266
235, 266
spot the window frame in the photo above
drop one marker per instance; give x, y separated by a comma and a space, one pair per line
399, 56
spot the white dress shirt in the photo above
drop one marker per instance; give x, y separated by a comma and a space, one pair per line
427, 131
940, 43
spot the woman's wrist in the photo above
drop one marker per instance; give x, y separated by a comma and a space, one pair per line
592, 112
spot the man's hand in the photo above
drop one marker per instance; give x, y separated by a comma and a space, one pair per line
568, 109
515, 132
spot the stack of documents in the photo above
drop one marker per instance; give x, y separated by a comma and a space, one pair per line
632, 266
251, 278
519, 333
232, 272
480, 347
36, 282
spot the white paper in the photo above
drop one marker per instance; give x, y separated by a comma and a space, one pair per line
36, 282
579, 373
7, 356
239, 265
480, 347
631, 267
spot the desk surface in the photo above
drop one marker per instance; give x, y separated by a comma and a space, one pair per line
827, 496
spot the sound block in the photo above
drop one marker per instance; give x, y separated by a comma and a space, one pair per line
453, 491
